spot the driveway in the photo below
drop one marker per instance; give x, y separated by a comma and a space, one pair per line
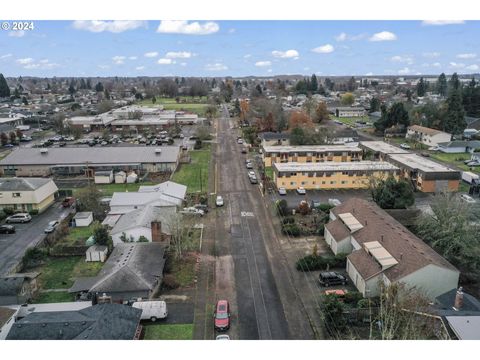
13, 247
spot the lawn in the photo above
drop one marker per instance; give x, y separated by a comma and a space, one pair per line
196, 105
351, 121
169, 332
53, 297
59, 273
78, 235
195, 174
269, 172
455, 159
184, 270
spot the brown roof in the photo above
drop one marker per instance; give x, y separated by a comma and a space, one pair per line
425, 130
364, 263
337, 229
410, 251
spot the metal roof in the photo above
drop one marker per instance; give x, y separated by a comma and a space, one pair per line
336, 166
465, 327
421, 163
382, 147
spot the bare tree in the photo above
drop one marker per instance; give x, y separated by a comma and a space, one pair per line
182, 239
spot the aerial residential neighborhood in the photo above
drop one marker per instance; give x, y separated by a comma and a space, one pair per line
325, 186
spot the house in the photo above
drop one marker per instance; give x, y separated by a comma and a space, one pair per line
169, 189
310, 154
331, 175
426, 175
17, 288
458, 146
382, 251
83, 218
427, 136
27, 194
86, 160
150, 223
96, 253
103, 177
97, 322
470, 133
274, 138
133, 270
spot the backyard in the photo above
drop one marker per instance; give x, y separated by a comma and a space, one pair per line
77, 235
195, 174
168, 332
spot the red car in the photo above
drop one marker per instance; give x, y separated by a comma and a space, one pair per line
222, 315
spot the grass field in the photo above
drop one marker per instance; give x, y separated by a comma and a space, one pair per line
169, 332
59, 273
455, 159
196, 105
53, 297
269, 172
350, 121
78, 235
184, 270
195, 174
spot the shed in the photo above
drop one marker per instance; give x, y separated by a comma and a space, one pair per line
132, 178
120, 177
103, 177
96, 253
83, 219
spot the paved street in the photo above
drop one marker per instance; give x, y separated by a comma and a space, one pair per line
12, 247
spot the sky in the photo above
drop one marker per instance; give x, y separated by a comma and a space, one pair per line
240, 48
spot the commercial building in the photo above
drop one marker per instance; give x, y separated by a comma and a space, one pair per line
310, 154
427, 136
21, 194
82, 160
331, 175
382, 251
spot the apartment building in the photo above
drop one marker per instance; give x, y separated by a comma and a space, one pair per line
427, 136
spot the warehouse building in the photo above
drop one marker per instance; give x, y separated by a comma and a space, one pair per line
30, 162
332, 175
310, 154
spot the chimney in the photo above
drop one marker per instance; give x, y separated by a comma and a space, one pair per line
458, 299
157, 235
381, 238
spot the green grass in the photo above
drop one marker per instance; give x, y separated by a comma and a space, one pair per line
269, 172
351, 121
59, 273
53, 297
109, 189
455, 159
169, 332
78, 235
184, 270
189, 174
195, 105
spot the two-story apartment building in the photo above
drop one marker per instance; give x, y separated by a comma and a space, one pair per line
427, 136
382, 251
22, 194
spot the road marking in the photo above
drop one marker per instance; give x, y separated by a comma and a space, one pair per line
246, 214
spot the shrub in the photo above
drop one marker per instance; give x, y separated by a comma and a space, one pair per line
363, 304
340, 260
33, 257
325, 207
310, 263
321, 229
304, 208
2, 215
198, 144
291, 229
282, 207
288, 220
33, 212
170, 282
353, 297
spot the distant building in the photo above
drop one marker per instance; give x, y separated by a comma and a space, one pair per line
347, 111
459, 146
427, 136
26, 194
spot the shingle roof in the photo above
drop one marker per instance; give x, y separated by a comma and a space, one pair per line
98, 322
140, 198
411, 252
337, 229
144, 217
167, 188
22, 184
425, 130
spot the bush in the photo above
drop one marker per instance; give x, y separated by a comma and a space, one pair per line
304, 208
291, 229
325, 207
321, 229
312, 262
33, 257
2, 215
353, 297
170, 282
33, 212
288, 220
282, 207
340, 260
363, 304
198, 145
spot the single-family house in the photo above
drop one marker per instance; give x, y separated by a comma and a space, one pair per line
427, 136
459, 146
26, 194
274, 138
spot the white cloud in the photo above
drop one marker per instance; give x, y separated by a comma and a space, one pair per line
132, 57
407, 59
436, 64
467, 56
286, 54
25, 61
473, 67
269, 70
138, 68
18, 33
165, 61
324, 49
116, 26
183, 64
118, 59
442, 22
432, 54
247, 56
404, 71
187, 28
151, 54
178, 55
383, 36
345, 37
263, 63
216, 67
369, 74
456, 65
30, 64
341, 37
6, 56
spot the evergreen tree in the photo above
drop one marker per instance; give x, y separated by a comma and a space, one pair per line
454, 83
454, 121
4, 89
313, 84
374, 104
99, 87
421, 87
442, 85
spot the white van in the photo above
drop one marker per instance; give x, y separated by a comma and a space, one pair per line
152, 310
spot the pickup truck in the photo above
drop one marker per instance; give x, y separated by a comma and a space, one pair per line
68, 201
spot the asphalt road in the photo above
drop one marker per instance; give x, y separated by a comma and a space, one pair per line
13, 246
260, 314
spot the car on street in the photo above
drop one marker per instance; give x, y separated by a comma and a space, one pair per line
219, 201
202, 207
467, 198
7, 229
18, 218
301, 190
328, 278
222, 337
221, 315
405, 146
282, 191
253, 179
251, 173
239, 141
249, 165
52, 225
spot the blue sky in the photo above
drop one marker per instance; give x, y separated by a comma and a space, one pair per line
240, 48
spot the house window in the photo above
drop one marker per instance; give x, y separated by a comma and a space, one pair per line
16, 194
344, 182
332, 182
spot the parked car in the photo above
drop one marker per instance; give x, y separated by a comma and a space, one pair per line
219, 200
251, 173
301, 190
334, 202
244, 150
239, 141
328, 278
253, 179
282, 191
7, 229
249, 165
52, 225
222, 316
424, 154
467, 198
222, 337
405, 146
68, 201
152, 310
202, 207
18, 218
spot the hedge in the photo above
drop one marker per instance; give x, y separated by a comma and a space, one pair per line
312, 262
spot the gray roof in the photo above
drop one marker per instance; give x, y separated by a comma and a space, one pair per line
22, 184
168, 188
83, 215
82, 155
144, 217
475, 144
465, 327
131, 267
98, 322
447, 300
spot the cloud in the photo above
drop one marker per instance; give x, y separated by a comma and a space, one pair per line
151, 54
289, 54
104, 67
6, 56
473, 67
231, 31
25, 61
116, 26
138, 68
119, 60
456, 65
467, 56
436, 64
383, 36
263, 63
183, 64
17, 34
442, 22
216, 67
187, 28
165, 61
132, 57
341, 37
269, 70
30, 64
407, 59
247, 56
345, 37
404, 71
324, 49
178, 55
432, 54
369, 74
